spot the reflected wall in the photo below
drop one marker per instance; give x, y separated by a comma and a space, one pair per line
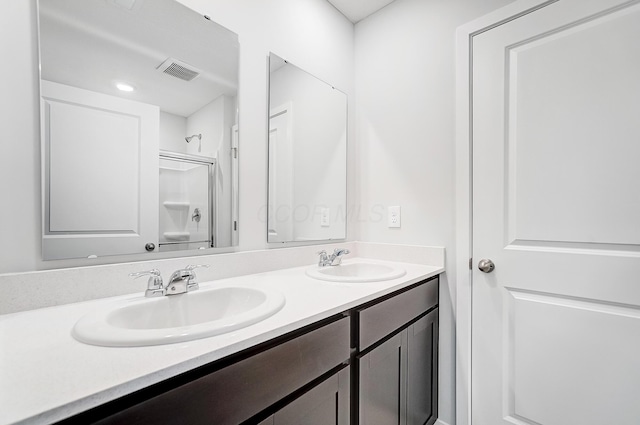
307, 156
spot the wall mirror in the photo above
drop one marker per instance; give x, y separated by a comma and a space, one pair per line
307, 178
139, 128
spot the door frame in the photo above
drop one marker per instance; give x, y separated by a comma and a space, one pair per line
464, 190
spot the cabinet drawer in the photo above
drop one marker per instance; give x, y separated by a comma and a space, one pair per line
232, 395
381, 319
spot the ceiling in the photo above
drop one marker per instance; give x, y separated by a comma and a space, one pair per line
92, 44
356, 10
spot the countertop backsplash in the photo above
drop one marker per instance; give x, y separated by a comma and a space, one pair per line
40, 289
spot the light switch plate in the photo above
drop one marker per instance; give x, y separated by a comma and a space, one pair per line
324, 217
393, 216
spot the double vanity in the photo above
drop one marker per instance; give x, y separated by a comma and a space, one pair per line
335, 344
139, 165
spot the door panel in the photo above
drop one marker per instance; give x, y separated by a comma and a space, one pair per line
572, 361
77, 204
556, 101
572, 113
422, 374
382, 374
326, 404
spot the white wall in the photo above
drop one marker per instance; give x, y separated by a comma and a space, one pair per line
173, 129
311, 33
208, 121
405, 77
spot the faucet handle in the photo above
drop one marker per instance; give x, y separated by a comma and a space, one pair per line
155, 285
152, 272
192, 285
323, 258
195, 266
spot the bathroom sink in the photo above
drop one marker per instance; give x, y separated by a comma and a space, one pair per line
168, 319
356, 272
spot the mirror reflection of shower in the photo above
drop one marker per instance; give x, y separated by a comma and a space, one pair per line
187, 201
184, 218
199, 136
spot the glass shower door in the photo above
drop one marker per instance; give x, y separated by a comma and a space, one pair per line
186, 203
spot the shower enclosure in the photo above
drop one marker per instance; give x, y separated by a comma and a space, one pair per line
187, 201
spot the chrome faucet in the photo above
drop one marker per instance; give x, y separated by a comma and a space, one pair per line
181, 281
331, 260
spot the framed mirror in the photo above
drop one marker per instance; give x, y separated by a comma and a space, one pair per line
139, 125
307, 176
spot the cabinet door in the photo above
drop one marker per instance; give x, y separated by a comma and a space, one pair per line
382, 383
422, 376
326, 404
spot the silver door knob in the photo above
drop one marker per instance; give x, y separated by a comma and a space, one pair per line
486, 266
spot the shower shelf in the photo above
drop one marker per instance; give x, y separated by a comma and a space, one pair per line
176, 236
176, 204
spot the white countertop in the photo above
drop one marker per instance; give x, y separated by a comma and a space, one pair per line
46, 375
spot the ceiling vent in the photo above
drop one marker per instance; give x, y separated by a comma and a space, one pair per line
179, 69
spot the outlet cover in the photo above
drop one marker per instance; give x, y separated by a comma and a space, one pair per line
324, 217
393, 216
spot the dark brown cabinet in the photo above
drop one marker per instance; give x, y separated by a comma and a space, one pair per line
422, 370
398, 364
247, 390
372, 365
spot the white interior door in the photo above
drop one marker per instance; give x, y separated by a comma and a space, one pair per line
100, 173
556, 207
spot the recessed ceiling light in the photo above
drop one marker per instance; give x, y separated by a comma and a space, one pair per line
125, 87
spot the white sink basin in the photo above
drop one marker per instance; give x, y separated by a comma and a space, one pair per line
356, 272
177, 318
